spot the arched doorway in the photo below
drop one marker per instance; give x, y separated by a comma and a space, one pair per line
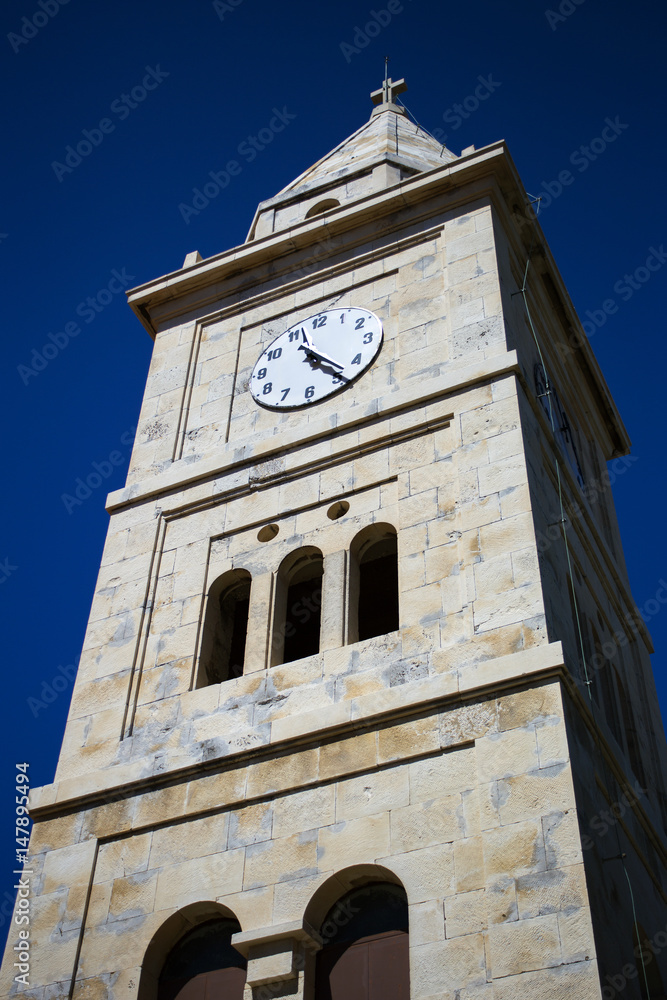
365, 955
204, 965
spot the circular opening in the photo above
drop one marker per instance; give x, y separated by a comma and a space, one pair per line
338, 509
268, 532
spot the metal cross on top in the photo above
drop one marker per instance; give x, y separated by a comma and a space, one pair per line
388, 91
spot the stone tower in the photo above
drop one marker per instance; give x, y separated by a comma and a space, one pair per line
364, 706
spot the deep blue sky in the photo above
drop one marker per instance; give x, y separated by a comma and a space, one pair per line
60, 240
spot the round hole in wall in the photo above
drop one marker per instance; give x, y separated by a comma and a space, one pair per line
338, 509
268, 532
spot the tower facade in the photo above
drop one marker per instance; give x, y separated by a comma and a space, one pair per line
364, 702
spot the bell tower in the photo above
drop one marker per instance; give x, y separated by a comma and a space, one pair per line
365, 705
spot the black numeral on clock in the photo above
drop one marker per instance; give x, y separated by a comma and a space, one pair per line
261, 373
272, 355
319, 322
356, 360
285, 393
368, 337
359, 323
268, 387
310, 392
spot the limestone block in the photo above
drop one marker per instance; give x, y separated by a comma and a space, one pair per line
509, 535
562, 839
503, 754
468, 864
307, 810
494, 576
372, 793
68, 866
579, 981
61, 831
98, 904
408, 739
280, 860
465, 913
576, 934
533, 706
292, 897
524, 946
551, 891
552, 744
518, 848
109, 819
186, 841
427, 922
427, 824
446, 966
133, 896
353, 842
501, 900
348, 756
124, 857
421, 605
508, 608
502, 475
253, 908
469, 722
202, 878
487, 421
426, 874
543, 791
291, 771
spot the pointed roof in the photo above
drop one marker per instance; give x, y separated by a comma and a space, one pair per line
388, 149
388, 136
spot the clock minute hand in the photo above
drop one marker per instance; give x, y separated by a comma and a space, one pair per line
312, 352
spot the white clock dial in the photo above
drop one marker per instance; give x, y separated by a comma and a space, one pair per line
316, 358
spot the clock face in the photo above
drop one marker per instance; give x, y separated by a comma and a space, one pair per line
316, 358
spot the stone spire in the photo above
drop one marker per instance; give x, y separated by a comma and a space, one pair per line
386, 150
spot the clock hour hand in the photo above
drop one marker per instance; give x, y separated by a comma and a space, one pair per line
311, 352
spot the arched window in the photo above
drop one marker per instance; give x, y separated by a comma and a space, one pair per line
225, 628
298, 606
373, 583
321, 207
365, 955
204, 964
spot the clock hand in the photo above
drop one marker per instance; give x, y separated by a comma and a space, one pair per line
320, 355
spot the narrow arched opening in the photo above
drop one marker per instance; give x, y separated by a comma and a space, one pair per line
225, 628
365, 952
204, 964
298, 606
374, 606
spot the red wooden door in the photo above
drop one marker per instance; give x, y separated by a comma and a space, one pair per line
372, 968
